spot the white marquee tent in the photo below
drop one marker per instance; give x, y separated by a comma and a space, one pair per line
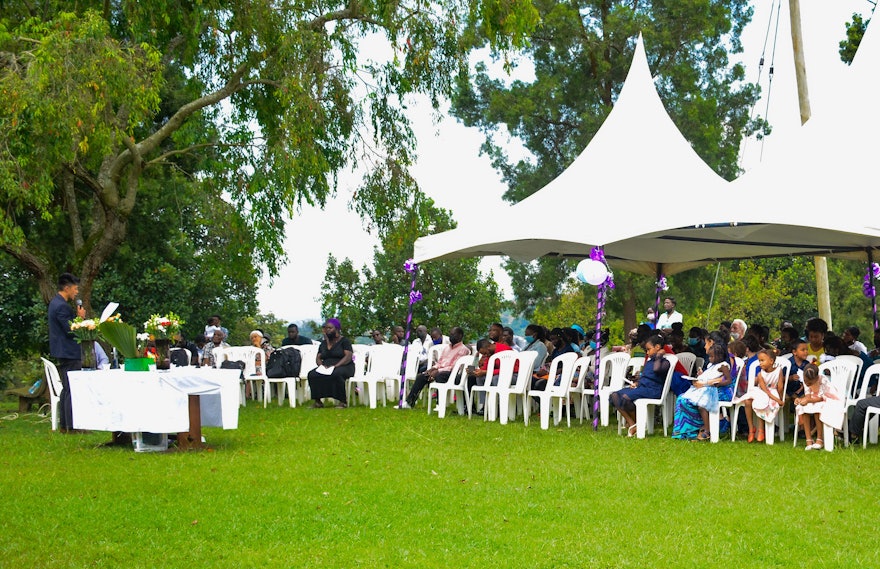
641, 192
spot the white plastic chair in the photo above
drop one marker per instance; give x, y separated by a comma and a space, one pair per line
645, 407
751, 375
282, 384
857, 391
688, 360
581, 396
361, 357
562, 366
715, 417
510, 397
409, 374
434, 354
612, 375
842, 373
871, 417
383, 366
457, 383
53, 379
309, 355
770, 429
505, 362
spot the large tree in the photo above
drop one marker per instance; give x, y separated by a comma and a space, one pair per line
580, 54
273, 98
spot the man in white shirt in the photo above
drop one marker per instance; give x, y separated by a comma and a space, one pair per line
420, 346
670, 316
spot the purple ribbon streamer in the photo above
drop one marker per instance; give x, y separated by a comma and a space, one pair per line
869, 290
661, 286
597, 254
413, 269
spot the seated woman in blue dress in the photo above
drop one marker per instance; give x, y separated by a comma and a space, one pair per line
335, 365
649, 384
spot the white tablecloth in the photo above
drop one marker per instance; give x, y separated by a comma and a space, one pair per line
153, 401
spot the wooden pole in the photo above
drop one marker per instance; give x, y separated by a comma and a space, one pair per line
823, 295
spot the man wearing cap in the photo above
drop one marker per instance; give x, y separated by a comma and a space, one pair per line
62, 345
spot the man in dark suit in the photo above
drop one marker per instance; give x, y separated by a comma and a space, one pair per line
62, 345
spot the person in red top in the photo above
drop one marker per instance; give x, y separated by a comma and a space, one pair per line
440, 372
487, 348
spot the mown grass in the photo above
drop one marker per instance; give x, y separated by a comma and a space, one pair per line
387, 488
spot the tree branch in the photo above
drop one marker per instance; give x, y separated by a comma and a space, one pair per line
70, 205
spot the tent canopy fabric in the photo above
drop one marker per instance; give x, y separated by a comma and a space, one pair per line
641, 192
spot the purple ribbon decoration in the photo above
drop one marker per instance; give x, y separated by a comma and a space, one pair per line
414, 296
601, 296
869, 290
662, 286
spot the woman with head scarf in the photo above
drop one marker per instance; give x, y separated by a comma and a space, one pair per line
335, 365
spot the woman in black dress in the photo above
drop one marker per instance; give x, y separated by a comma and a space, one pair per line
335, 354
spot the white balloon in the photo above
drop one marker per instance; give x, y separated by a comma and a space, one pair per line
592, 272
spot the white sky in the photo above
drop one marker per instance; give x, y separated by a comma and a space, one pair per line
451, 170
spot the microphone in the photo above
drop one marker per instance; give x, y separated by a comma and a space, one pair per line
79, 302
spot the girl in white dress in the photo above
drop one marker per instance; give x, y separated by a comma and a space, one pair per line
765, 397
817, 389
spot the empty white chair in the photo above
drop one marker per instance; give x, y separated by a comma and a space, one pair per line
455, 385
582, 395
309, 355
383, 365
53, 379
557, 388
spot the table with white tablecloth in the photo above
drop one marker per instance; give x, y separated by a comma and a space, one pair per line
155, 401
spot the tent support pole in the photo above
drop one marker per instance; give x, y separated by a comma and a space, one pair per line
712, 296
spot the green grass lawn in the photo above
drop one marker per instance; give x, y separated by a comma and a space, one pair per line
387, 488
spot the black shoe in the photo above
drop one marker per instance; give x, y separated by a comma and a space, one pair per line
481, 412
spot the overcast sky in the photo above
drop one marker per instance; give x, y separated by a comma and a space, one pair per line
451, 170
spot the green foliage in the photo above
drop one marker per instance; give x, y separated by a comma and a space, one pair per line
454, 293
269, 324
855, 30
122, 336
262, 101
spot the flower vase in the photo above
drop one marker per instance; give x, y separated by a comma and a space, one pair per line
163, 361
89, 359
